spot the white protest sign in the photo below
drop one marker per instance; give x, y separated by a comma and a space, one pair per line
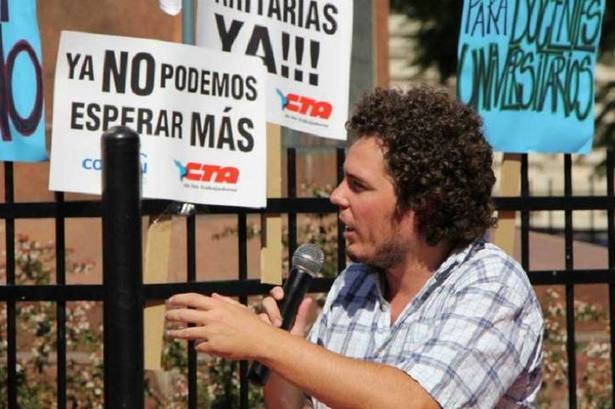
306, 47
200, 115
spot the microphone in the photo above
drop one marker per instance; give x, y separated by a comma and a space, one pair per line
306, 263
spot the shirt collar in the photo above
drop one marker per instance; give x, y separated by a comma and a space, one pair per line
457, 257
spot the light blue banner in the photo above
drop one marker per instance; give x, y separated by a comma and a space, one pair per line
527, 66
22, 111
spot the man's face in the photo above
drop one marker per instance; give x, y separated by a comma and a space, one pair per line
375, 234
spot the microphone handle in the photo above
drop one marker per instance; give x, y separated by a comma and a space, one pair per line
295, 288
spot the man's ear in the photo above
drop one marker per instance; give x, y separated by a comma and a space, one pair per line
408, 218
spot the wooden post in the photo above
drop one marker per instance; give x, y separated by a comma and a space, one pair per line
380, 13
510, 181
156, 270
271, 233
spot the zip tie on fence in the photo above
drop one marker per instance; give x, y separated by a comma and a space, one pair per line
185, 209
175, 209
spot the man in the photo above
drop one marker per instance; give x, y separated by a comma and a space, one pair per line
429, 315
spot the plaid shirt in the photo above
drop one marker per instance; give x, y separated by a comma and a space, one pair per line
472, 337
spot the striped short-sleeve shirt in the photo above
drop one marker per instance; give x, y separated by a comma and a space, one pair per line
472, 337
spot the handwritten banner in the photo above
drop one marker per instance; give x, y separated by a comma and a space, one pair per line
305, 46
200, 115
22, 113
528, 67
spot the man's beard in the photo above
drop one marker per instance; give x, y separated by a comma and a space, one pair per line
386, 256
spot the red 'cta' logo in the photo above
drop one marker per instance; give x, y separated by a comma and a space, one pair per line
304, 105
203, 172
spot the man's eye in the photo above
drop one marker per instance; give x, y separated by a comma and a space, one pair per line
357, 186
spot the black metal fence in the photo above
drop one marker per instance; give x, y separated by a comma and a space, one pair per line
60, 293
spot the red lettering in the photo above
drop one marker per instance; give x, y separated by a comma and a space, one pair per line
228, 175
202, 172
322, 109
208, 172
308, 106
293, 99
193, 171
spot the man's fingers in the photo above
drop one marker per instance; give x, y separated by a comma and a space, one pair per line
225, 298
265, 318
277, 293
199, 343
186, 315
301, 321
272, 310
190, 333
304, 308
193, 300
202, 346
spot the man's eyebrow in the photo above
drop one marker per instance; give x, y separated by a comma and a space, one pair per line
351, 175
357, 178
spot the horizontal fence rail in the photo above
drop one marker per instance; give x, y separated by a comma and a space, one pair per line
91, 208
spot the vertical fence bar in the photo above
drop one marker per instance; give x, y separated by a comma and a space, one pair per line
189, 37
525, 215
61, 304
192, 362
570, 319
11, 333
550, 218
341, 243
122, 270
242, 246
610, 191
291, 183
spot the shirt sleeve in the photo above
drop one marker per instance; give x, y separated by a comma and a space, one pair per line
319, 327
318, 330
481, 342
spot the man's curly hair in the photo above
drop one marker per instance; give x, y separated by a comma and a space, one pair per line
438, 159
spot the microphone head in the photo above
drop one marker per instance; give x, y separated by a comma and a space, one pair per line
309, 257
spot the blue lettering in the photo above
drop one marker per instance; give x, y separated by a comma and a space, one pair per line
91, 164
96, 164
143, 163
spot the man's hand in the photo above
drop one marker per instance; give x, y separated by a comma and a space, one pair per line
222, 326
272, 314
226, 328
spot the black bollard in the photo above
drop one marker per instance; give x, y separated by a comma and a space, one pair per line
122, 269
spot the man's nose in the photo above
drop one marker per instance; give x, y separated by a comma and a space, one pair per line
337, 197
